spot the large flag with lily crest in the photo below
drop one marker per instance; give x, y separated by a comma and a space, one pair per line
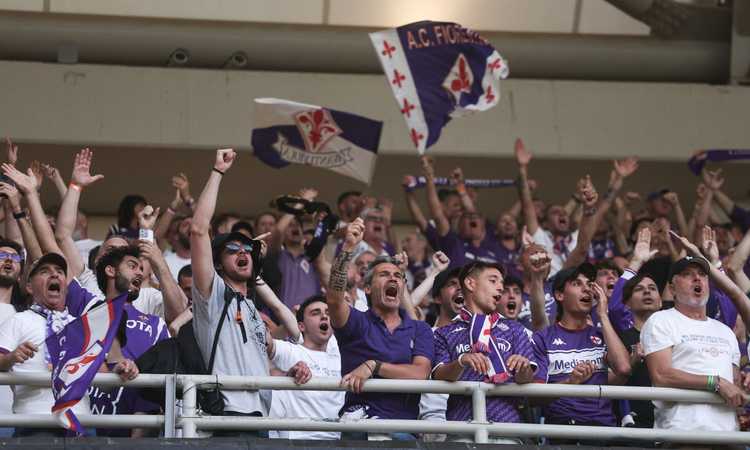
295, 133
437, 71
76, 354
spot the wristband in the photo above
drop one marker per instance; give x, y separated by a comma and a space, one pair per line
145, 234
170, 210
218, 171
711, 383
376, 370
20, 215
461, 189
75, 186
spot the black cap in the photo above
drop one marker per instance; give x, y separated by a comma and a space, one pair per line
657, 194
51, 258
221, 240
442, 279
682, 264
565, 275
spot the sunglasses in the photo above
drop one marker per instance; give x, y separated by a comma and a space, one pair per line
233, 248
15, 257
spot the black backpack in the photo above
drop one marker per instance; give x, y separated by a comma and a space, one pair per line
178, 355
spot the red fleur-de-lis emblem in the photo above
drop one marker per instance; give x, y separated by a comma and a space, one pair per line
489, 95
416, 137
388, 49
496, 64
406, 110
398, 77
460, 79
462, 82
317, 128
73, 368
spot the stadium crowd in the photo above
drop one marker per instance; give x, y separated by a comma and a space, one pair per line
616, 288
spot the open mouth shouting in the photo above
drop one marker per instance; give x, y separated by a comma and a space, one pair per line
698, 289
324, 327
458, 298
54, 288
391, 290
512, 307
242, 261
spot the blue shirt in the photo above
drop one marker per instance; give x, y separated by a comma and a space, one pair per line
365, 336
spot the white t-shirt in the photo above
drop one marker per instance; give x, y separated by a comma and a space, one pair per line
559, 255
307, 404
175, 262
701, 347
432, 406
149, 301
32, 327
6, 394
85, 246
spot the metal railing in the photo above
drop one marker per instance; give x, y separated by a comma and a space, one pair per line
190, 420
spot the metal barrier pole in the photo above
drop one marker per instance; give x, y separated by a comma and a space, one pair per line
479, 410
189, 401
170, 399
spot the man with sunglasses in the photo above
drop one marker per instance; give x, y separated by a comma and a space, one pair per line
380, 343
221, 272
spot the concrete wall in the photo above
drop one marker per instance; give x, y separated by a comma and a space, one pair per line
549, 16
203, 109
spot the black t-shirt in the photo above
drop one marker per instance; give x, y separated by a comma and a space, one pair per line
643, 409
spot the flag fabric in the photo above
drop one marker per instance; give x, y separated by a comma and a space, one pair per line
76, 353
295, 133
482, 341
699, 160
438, 70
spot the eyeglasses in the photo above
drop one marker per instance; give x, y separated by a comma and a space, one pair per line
15, 257
233, 248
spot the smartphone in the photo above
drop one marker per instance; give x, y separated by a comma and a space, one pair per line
4, 179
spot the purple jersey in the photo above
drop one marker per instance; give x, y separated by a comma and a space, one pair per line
550, 306
558, 351
453, 340
142, 331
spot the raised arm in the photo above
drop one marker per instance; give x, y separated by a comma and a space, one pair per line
457, 179
27, 184
165, 220
618, 357
337, 306
411, 204
22, 223
440, 262
200, 240
523, 158
54, 176
536, 264
279, 309
175, 301
80, 179
589, 222
679, 214
433, 202
736, 263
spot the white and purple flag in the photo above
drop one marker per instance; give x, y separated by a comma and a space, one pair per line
76, 353
437, 71
295, 133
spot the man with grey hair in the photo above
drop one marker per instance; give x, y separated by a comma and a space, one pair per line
685, 349
383, 342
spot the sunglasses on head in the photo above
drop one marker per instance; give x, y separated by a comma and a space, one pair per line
233, 248
12, 256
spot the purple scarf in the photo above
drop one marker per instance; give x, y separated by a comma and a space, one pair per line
481, 341
419, 182
699, 160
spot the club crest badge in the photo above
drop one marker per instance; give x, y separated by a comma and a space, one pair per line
317, 128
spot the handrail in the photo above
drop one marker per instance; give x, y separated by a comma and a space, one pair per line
191, 420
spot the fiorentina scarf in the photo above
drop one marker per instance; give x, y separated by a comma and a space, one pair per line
418, 182
481, 341
699, 160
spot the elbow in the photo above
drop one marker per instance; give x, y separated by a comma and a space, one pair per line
623, 369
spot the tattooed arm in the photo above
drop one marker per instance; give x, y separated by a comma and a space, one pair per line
337, 306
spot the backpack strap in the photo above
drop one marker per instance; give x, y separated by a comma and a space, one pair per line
228, 297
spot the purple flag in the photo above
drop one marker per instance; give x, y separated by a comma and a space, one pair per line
697, 161
438, 70
76, 354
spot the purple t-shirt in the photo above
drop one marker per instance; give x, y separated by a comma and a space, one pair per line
550, 306
601, 250
299, 279
461, 251
453, 340
142, 331
557, 351
365, 337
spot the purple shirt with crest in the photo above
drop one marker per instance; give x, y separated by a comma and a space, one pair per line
364, 337
299, 279
453, 340
461, 251
558, 351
